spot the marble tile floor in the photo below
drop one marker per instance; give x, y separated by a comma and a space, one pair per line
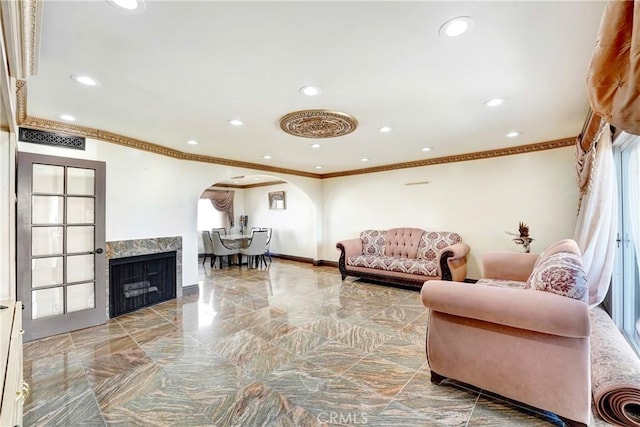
291, 345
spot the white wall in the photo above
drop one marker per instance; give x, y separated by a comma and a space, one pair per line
479, 199
149, 195
294, 228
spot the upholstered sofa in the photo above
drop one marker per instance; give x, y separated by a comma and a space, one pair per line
521, 332
404, 256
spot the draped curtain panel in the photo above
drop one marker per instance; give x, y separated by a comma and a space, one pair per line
222, 201
613, 76
597, 220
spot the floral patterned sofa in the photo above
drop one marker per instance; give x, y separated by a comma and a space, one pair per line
404, 256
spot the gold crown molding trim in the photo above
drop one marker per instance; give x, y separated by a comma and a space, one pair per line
58, 127
244, 187
54, 126
478, 155
21, 101
31, 28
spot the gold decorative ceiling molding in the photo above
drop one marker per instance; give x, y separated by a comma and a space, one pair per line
32, 22
478, 155
247, 186
22, 25
318, 123
25, 120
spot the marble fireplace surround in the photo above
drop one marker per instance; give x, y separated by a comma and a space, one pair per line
154, 245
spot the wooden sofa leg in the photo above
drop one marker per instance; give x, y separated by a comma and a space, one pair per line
571, 423
436, 378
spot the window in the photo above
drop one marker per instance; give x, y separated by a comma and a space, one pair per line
626, 281
208, 216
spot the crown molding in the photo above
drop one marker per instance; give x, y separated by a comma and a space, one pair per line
44, 124
248, 186
478, 155
31, 30
22, 27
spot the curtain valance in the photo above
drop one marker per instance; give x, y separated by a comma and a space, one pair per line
222, 201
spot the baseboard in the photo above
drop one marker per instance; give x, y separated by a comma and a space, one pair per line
292, 258
467, 280
190, 290
315, 262
323, 262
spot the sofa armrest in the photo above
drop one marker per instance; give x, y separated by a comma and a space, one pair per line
452, 262
527, 309
349, 247
508, 265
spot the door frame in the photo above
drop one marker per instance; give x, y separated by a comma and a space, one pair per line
52, 325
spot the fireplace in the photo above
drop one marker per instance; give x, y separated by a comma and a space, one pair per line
140, 281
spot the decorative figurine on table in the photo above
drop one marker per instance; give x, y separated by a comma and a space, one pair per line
244, 220
523, 237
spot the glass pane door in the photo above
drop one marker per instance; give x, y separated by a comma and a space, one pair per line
61, 215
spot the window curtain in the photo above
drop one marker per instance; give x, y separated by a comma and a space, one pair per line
597, 215
613, 76
613, 88
222, 201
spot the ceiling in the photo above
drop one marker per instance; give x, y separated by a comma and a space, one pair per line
180, 70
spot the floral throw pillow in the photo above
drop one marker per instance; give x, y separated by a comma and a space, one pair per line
562, 274
373, 242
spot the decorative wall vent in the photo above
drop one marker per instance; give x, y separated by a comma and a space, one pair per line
49, 138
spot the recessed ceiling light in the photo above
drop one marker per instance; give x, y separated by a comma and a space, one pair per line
364, 159
456, 26
236, 182
316, 145
192, 142
427, 149
235, 122
309, 90
494, 102
513, 134
85, 80
128, 5
256, 179
384, 129
67, 117
318, 167
266, 157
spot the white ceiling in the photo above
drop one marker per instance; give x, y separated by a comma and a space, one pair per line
179, 70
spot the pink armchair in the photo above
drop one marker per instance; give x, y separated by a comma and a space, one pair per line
524, 344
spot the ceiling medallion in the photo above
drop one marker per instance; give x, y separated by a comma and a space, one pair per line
318, 123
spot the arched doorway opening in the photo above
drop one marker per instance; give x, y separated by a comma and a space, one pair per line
264, 201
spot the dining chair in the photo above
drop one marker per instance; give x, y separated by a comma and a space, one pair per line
255, 229
269, 233
220, 249
221, 230
208, 247
256, 249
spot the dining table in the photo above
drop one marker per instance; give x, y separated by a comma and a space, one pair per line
236, 240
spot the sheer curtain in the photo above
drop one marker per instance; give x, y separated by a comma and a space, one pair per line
597, 218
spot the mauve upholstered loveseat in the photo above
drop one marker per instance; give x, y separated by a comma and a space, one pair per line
521, 332
404, 256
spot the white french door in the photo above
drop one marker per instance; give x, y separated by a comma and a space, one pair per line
60, 248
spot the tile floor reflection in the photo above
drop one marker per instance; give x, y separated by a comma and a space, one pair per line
289, 346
